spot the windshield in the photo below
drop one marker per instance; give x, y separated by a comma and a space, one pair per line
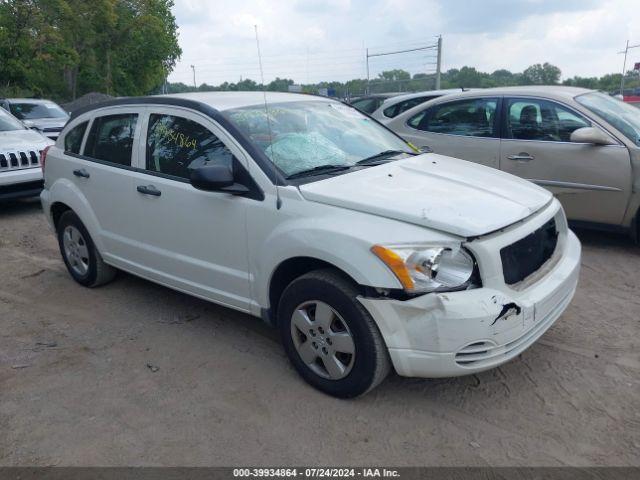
9, 123
622, 116
300, 136
31, 111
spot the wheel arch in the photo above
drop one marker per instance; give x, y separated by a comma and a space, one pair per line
63, 196
290, 269
57, 210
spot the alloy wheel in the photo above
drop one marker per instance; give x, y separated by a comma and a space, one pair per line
323, 340
76, 250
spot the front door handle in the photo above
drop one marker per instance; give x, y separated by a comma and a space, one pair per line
81, 172
149, 190
521, 157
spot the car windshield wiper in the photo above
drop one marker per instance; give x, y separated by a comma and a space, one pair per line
320, 170
382, 157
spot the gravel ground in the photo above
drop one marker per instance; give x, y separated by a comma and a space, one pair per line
136, 374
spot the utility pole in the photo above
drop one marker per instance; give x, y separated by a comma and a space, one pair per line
439, 62
368, 91
624, 64
193, 67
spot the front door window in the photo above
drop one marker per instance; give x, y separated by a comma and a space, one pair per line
175, 146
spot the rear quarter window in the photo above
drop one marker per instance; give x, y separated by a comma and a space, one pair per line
111, 138
73, 138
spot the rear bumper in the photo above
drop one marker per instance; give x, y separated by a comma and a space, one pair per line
459, 333
20, 183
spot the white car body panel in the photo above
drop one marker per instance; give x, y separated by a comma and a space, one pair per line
15, 142
25, 175
226, 248
430, 190
425, 334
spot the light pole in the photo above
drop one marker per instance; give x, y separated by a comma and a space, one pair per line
193, 67
624, 65
439, 63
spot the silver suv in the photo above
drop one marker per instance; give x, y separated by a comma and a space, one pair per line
44, 116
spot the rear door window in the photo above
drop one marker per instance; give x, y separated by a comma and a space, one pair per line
111, 138
470, 118
395, 110
176, 145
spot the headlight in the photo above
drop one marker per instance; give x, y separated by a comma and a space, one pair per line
426, 269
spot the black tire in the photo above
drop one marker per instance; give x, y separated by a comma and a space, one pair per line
370, 363
98, 272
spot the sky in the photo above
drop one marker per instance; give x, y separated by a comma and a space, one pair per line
314, 40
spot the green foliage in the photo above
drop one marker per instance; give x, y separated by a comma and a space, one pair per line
394, 75
64, 48
545, 74
402, 81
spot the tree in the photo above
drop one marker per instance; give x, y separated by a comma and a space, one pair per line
394, 75
62, 48
280, 85
584, 82
545, 74
503, 78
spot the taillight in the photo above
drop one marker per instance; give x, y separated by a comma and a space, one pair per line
43, 157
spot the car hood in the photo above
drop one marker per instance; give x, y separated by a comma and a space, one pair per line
42, 123
22, 140
444, 193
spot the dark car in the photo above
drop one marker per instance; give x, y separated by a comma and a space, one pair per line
370, 103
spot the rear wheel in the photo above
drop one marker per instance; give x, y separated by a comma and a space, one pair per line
79, 253
329, 336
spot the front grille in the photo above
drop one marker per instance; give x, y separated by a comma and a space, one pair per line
527, 255
19, 160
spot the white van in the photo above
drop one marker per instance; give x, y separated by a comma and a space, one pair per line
299, 209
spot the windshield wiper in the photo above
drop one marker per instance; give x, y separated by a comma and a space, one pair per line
382, 157
320, 170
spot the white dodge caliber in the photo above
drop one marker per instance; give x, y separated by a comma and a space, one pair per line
366, 255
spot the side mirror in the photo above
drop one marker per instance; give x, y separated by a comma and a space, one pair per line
216, 178
591, 135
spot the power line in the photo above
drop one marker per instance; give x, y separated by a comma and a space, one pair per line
430, 47
343, 65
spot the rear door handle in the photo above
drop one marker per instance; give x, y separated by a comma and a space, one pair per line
81, 172
521, 157
149, 190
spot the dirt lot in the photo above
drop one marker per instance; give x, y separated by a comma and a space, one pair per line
135, 374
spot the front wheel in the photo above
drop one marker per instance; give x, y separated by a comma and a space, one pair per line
330, 338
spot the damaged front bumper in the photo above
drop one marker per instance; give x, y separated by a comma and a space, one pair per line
459, 333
